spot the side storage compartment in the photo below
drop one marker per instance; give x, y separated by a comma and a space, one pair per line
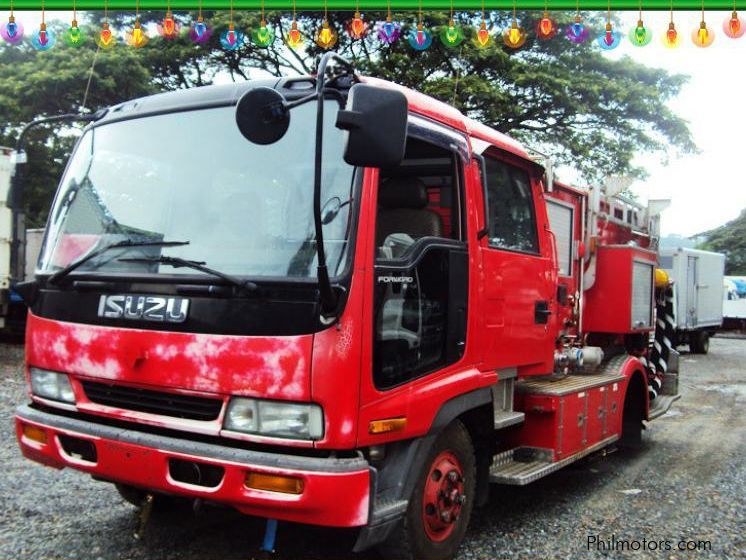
621, 299
569, 415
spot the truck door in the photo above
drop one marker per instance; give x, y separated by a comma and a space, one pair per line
691, 292
421, 282
518, 270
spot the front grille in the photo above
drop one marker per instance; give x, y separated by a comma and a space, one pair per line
154, 402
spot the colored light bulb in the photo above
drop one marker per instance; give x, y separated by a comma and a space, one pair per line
515, 36
137, 37
200, 33
74, 36
546, 28
451, 35
577, 32
420, 38
43, 40
295, 37
12, 31
326, 38
483, 38
734, 27
105, 39
356, 27
169, 28
263, 36
609, 39
389, 32
671, 38
640, 36
231, 39
703, 36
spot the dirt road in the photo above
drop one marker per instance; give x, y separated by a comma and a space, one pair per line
686, 487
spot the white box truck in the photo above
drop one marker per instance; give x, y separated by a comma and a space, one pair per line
698, 294
12, 252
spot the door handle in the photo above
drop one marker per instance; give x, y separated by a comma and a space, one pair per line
541, 312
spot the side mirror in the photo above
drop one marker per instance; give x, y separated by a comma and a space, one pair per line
375, 121
262, 115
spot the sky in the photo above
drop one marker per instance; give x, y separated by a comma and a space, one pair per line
708, 188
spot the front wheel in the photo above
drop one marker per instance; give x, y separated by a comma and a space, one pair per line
441, 503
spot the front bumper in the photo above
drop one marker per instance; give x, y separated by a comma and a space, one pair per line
336, 492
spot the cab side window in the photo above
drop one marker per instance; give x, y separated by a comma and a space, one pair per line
421, 283
511, 215
418, 199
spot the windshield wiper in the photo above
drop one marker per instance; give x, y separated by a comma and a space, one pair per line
178, 262
60, 274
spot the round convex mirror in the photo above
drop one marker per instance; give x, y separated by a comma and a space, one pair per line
262, 115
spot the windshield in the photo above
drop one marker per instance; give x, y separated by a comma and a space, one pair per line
244, 209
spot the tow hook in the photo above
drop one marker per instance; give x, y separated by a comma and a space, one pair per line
144, 515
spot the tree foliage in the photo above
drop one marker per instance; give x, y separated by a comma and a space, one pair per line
730, 239
586, 109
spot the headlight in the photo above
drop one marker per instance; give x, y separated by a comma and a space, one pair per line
275, 419
51, 385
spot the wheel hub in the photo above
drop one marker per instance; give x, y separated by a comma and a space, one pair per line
443, 496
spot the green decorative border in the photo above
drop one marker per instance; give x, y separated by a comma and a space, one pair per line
378, 5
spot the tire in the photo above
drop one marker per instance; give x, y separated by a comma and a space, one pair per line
632, 416
434, 526
162, 502
699, 342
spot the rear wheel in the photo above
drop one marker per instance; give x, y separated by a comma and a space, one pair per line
699, 342
441, 503
632, 415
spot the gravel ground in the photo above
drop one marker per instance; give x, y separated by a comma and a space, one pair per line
688, 482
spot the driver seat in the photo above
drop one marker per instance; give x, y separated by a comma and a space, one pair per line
402, 208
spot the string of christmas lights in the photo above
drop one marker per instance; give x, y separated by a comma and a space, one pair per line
387, 31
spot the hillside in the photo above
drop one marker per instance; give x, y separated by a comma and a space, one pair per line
731, 240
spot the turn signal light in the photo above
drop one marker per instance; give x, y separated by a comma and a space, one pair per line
274, 483
386, 426
34, 433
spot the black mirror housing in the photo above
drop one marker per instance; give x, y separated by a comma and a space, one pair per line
262, 115
375, 121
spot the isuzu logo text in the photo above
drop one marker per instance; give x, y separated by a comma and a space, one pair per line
144, 308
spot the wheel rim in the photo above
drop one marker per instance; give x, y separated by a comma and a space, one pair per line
443, 496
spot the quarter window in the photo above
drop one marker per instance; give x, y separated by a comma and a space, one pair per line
512, 220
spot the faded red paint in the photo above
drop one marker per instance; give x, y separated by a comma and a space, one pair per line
269, 367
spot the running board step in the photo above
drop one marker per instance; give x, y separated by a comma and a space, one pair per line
660, 405
523, 465
505, 419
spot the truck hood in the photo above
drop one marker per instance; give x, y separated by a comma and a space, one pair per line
277, 367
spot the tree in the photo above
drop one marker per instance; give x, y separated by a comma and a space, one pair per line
570, 101
730, 239
41, 84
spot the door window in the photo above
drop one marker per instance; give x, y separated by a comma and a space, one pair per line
511, 215
421, 270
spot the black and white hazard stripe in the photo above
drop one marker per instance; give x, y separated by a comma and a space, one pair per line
660, 352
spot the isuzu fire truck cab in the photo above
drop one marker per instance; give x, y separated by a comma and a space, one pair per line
335, 301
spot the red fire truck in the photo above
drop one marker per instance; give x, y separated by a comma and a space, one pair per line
335, 301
